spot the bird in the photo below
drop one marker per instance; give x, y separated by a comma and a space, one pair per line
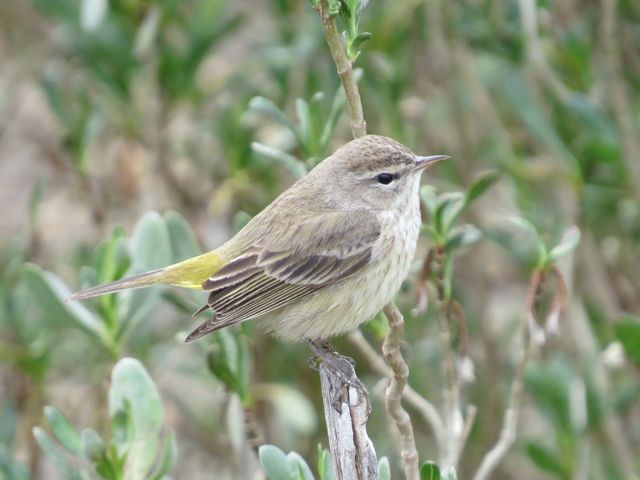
324, 257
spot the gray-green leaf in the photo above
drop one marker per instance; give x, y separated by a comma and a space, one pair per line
275, 463
384, 470
54, 454
568, 242
63, 430
132, 385
49, 292
291, 163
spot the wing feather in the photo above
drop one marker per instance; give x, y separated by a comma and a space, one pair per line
273, 273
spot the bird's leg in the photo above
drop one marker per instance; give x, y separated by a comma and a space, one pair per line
342, 367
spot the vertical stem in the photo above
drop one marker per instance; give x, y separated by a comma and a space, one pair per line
393, 397
454, 423
510, 425
345, 71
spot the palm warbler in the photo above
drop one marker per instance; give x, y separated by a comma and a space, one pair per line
322, 258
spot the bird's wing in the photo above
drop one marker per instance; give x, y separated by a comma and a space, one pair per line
285, 267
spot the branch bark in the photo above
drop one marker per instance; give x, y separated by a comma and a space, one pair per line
353, 454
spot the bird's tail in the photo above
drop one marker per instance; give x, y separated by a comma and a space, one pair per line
189, 274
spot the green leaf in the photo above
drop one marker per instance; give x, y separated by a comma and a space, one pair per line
299, 466
545, 460
285, 400
429, 198
532, 234
151, 244
515, 91
291, 163
267, 107
147, 32
429, 471
480, 185
334, 6
93, 13
627, 331
359, 40
92, 445
449, 473
133, 388
462, 235
384, 470
337, 107
449, 207
304, 117
569, 241
275, 463
229, 362
63, 430
325, 465
11, 468
218, 364
49, 293
183, 242
150, 249
54, 454
168, 457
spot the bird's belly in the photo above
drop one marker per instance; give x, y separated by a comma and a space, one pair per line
343, 307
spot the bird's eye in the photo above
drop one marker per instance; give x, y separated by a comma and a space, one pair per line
385, 178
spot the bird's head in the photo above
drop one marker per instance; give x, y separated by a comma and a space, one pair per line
375, 171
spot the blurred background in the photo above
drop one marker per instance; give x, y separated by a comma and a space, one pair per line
203, 111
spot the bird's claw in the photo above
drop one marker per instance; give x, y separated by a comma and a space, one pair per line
343, 368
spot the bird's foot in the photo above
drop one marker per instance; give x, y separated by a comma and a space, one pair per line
342, 367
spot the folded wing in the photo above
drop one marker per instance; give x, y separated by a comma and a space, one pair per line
285, 267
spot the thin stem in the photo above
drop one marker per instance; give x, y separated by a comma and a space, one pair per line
391, 351
454, 430
345, 70
510, 425
424, 407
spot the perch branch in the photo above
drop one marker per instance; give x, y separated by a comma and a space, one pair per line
391, 351
351, 449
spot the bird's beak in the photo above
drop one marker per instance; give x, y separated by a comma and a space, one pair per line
424, 162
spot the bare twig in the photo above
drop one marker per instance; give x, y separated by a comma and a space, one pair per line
454, 423
510, 425
534, 333
453, 418
391, 351
345, 70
